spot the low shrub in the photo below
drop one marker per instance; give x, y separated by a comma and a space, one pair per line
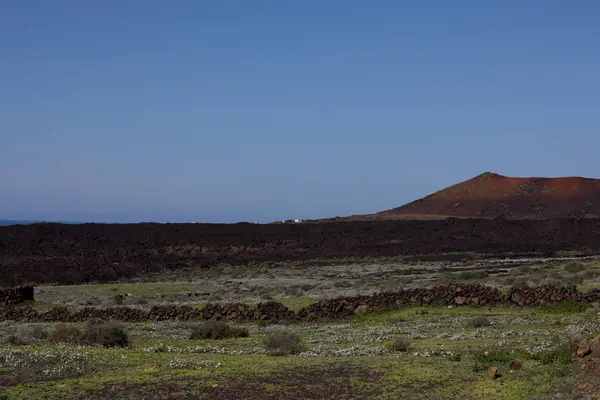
515, 365
525, 269
342, 284
468, 275
573, 280
283, 343
574, 267
483, 360
560, 355
106, 334
479, 321
27, 335
216, 330
565, 347
589, 274
17, 340
95, 332
493, 356
400, 344
446, 278
65, 333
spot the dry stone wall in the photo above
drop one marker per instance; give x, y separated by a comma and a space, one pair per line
16, 295
450, 295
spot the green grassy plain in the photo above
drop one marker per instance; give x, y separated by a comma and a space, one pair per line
447, 358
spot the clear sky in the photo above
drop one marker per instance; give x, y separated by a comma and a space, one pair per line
221, 111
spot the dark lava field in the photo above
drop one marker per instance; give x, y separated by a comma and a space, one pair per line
69, 254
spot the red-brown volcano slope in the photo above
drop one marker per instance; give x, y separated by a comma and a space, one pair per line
490, 195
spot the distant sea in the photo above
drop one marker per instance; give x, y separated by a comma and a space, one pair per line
4, 222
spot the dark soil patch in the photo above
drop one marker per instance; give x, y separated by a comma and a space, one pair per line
337, 382
7, 379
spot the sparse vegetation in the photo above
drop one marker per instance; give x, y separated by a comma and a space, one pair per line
95, 332
407, 347
479, 322
469, 275
106, 334
574, 267
216, 330
64, 333
28, 335
566, 307
400, 344
283, 343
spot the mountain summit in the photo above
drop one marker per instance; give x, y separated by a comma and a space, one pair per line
491, 195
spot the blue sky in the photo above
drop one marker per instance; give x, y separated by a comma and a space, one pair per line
222, 111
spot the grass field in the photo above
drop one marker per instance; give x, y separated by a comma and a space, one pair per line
408, 353
444, 354
288, 282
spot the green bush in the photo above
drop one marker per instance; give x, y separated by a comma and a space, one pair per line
400, 344
65, 333
493, 356
573, 279
283, 343
28, 335
483, 360
479, 321
589, 274
106, 334
560, 355
468, 275
565, 347
525, 269
95, 332
216, 330
574, 267
446, 278
17, 340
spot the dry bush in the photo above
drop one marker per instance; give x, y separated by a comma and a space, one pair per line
400, 344
283, 343
105, 334
479, 321
27, 335
216, 330
95, 332
574, 267
65, 333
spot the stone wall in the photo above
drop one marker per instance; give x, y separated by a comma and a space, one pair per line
451, 295
16, 295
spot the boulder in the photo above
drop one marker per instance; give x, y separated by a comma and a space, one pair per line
596, 347
583, 350
494, 373
460, 300
362, 309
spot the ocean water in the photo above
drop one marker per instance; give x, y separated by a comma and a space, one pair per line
5, 222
